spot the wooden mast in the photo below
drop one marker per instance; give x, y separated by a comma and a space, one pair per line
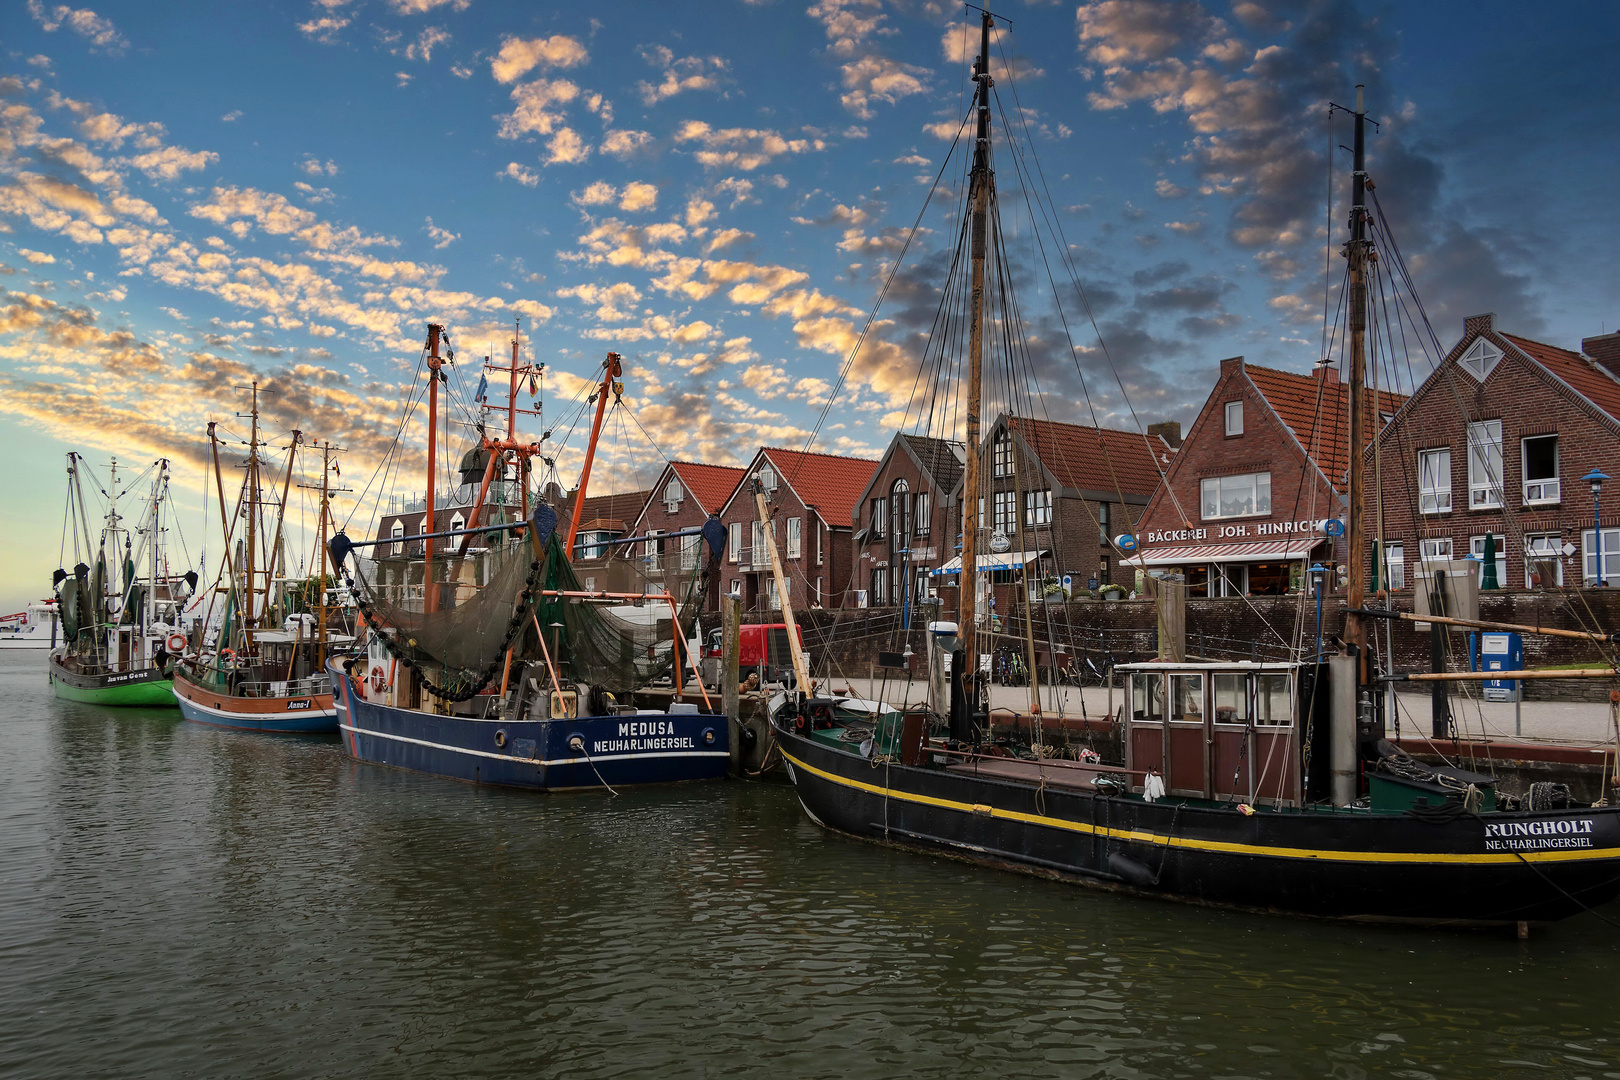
611, 369
979, 199
252, 507
1358, 250
429, 593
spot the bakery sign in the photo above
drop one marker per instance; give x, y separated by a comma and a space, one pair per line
1250, 530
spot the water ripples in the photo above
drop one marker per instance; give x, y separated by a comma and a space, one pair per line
185, 902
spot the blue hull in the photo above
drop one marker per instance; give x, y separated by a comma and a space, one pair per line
310, 721
618, 750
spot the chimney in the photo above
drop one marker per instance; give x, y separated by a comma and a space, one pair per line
1169, 431
1605, 350
1479, 324
1231, 364
1328, 373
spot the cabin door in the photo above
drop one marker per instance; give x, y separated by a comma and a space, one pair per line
1187, 736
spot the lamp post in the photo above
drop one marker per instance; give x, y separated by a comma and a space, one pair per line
1596, 478
1318, 574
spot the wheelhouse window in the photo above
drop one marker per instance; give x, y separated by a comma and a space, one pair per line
1234, 417
1231, 698
1187, 698
1485, 464
1273, 704
1245, 495
1540, 459
1434, 481
1038, 507
1147, 696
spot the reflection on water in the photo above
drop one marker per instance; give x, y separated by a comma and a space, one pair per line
176, 900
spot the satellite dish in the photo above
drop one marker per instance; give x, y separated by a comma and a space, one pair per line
999, 542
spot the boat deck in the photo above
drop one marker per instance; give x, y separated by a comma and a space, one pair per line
1053, 773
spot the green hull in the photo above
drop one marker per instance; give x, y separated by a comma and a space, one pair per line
150, 695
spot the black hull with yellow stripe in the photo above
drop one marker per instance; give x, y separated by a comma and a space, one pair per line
1349, 864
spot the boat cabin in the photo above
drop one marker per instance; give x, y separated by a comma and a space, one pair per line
1222, 731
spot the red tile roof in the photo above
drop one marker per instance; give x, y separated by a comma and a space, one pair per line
1324, 434
1579, 372
1093, 459
830, 484
710, 485
621, 507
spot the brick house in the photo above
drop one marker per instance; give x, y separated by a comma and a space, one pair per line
1496, 442
682, 498
599, 565
903, 518
812, 496
1056, 492
1263, 464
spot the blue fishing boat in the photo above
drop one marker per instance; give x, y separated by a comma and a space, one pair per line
488, 663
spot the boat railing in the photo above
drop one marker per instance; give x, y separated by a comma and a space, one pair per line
291, 688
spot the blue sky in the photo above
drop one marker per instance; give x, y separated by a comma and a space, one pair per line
193, 196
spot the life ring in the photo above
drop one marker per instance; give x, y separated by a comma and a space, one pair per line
176, 643
378, 677
227, 657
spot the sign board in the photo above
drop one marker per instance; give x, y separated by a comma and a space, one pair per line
1446, 587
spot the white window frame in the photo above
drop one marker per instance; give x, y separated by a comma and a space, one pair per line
1480, 359
795, 537
821, 592
756, 546
1002, 455
398, 533
1435, 549
1435, 497
1544, 547
767, 477
734, 542
1395, 565
1611, 557
1038, 507
1540, 490
1484, 481
457, 522
1234, 417
815, 526
652, 549
1005, 507
673, 494
690, 546
1476, 548
1261, 508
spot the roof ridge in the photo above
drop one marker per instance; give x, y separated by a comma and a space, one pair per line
817, 453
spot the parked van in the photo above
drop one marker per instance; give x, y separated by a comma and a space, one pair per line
764, 648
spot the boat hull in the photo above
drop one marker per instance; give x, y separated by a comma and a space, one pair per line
620, 751
1355, 865
141, 688
310, 714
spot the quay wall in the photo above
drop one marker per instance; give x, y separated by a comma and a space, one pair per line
1233, 628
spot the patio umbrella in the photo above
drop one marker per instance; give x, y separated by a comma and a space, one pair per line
1487, 576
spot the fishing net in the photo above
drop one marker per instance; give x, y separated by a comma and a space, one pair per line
489, 601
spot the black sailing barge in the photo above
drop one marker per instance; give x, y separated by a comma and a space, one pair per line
1264, 786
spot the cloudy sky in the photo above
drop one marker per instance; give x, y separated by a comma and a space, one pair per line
196, 196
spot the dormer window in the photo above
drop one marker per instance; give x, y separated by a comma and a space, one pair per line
1481, 359
1234, 417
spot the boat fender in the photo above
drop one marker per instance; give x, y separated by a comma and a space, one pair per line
177, 643
500, 737
1133, 872
379, 679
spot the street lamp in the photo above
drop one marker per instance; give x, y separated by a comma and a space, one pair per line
1596, 478
1318, 574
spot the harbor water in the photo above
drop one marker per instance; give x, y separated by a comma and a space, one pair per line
180, 901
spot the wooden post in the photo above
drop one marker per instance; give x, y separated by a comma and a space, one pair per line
1171, 601
801, 669
731, 674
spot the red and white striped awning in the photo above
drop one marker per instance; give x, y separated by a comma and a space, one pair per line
1244, 552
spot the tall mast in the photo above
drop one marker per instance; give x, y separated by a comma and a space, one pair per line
1358, 252
429, 593
611, 369
979, 197
252, 506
